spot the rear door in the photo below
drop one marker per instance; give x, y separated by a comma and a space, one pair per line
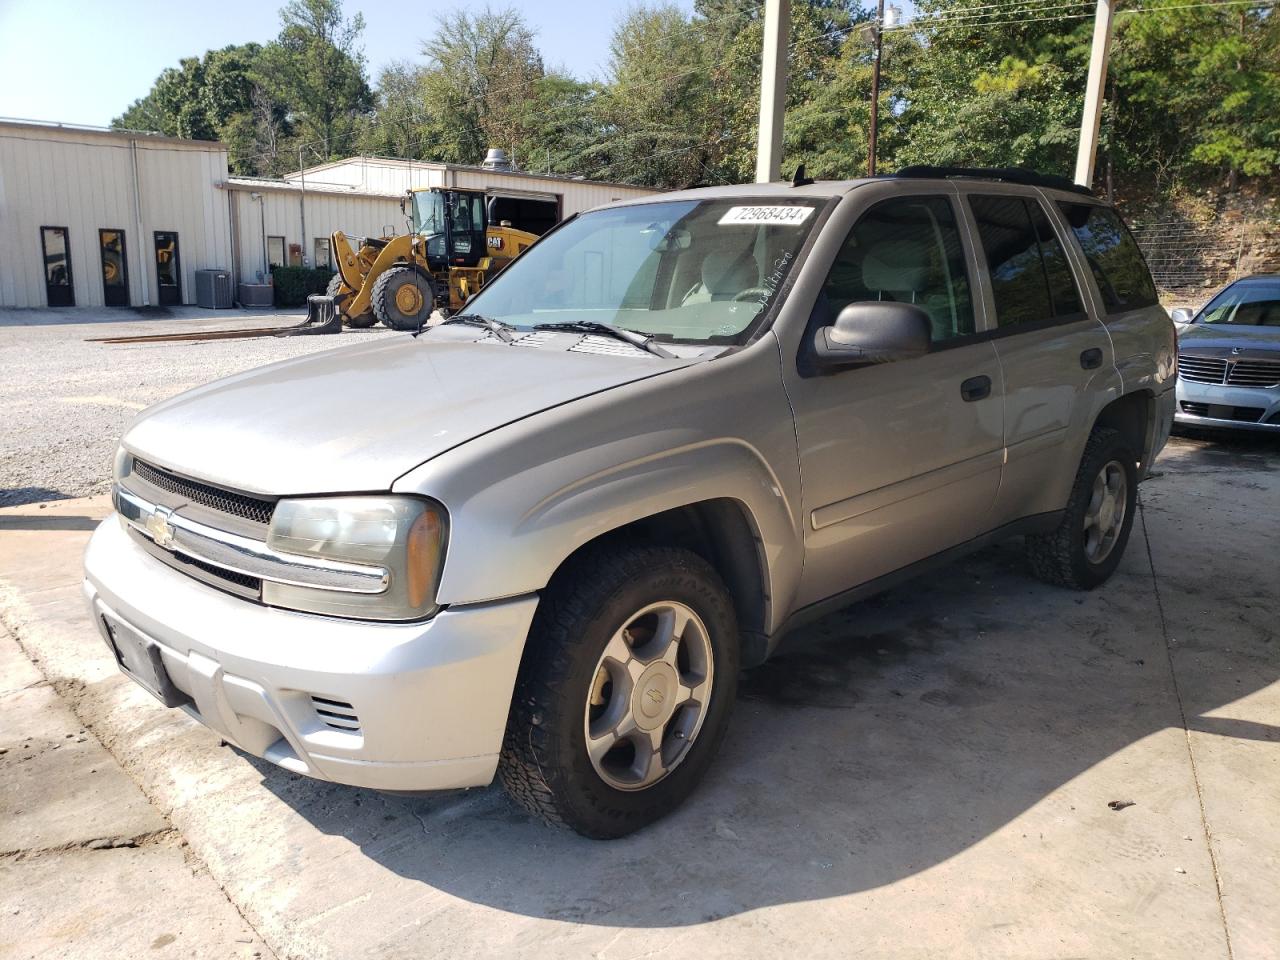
1050, 347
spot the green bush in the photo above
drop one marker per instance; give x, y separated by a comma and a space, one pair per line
294, 284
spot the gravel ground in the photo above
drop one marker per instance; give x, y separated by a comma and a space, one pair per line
66, 402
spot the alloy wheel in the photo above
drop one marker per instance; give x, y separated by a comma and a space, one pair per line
649, 695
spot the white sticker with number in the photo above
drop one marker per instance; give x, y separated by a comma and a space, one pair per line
784, 216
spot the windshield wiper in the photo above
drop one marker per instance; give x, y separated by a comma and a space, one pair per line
500, 330
618, 333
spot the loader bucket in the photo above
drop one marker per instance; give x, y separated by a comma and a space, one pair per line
322, 317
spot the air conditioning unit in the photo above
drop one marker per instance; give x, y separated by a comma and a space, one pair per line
214, 290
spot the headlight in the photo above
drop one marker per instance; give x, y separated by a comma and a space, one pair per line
403, 535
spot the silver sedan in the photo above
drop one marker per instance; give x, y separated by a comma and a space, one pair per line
1229, 359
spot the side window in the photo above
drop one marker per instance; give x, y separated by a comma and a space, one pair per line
275, 251
1030, 278
1062, 285
1114, 258
906, 250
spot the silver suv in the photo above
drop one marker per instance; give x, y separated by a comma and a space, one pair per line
542, 538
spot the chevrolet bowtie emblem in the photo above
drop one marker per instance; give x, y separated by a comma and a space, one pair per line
160, 528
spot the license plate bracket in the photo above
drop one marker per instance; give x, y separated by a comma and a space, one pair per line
140, 660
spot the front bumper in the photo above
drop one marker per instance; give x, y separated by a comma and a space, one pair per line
423, 705
1221, 406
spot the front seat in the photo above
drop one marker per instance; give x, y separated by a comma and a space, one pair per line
899, 270
725, 274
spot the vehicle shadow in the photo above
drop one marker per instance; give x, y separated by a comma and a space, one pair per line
880, 743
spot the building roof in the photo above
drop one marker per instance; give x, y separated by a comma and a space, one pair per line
269, 184
84, 130
462, 167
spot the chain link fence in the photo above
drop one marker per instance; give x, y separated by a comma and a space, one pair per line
1191, 260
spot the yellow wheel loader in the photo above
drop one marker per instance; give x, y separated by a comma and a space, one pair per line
445, 259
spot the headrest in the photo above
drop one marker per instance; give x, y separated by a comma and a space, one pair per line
726, 273
896, 265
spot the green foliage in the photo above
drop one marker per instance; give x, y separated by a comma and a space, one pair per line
1192, 95
292, 285
306, 89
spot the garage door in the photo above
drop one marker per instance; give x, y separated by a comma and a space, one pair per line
535, 214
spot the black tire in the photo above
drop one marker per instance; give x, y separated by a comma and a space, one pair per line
334, 289
1061, 557
544, 763
384, 304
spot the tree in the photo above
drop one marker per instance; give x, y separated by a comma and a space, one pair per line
316, 69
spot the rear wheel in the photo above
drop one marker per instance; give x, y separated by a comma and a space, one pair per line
402, 298
1087, 546
366, 319
624, 692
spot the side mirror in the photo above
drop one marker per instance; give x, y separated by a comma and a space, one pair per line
873, 332
1181, 317
403, 205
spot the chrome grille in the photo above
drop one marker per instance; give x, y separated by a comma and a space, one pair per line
1254, 373
336, 714
215, 498
1202, 369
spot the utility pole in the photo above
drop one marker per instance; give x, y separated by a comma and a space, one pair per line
773, 90
878, 27
302, 206
1092, 117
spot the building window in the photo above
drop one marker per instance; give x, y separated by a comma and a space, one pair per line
322, 261
275, 251
168, 268
57, 267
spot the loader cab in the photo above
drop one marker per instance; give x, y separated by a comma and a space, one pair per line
452, 222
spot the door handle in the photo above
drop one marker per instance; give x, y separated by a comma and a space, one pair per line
1091, 359
975, 388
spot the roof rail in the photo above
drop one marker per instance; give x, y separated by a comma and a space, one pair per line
1022, 175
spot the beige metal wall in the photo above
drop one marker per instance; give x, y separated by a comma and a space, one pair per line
354, 214
83, 180
394, 177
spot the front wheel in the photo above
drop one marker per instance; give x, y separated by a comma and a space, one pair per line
625, 690
402, 298
1087, 546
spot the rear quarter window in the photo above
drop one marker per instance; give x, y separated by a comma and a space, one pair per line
1114, 259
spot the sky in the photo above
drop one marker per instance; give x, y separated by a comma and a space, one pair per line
85, 61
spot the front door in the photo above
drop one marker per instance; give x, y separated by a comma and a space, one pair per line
168, 268
58, 287
902, 460
115, 268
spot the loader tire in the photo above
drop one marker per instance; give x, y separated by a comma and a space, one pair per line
403, 298
366, 319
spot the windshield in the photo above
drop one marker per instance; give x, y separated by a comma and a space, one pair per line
693, 271
1255, 303
428, 220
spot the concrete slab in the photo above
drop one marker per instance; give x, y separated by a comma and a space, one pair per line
925, 774
124, 902
88, 866
58, 786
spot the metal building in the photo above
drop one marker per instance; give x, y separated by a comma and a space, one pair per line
92, 217
290, 220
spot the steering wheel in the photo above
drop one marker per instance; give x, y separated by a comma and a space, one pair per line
751, 293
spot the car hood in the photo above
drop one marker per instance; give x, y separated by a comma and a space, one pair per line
357, 418
1219, 339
